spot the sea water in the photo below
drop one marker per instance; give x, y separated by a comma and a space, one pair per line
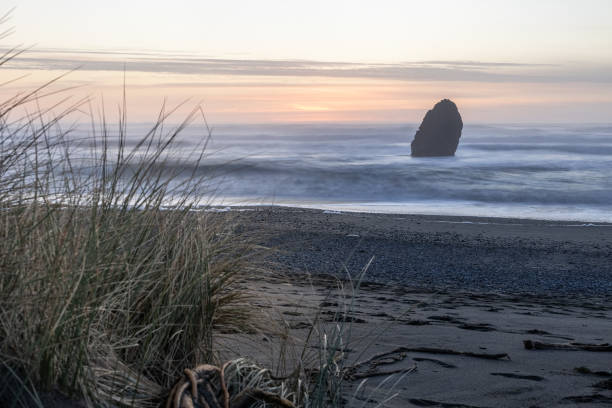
554, 172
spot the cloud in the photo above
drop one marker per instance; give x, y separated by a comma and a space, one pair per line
151, 62
482, 64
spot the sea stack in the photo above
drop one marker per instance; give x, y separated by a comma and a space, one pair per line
439, 132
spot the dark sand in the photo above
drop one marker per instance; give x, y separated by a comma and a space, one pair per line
386, 317
466, 284
511, 256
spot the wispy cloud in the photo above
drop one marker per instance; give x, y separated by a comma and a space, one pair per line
152, 62
481, 64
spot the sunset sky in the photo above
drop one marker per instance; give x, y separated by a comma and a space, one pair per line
301, 61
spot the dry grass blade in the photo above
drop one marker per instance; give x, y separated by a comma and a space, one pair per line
109, 283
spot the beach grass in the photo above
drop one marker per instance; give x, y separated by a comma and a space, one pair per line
111, 283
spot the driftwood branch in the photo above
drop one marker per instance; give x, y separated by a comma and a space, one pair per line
433, 350
351, 373
538, 345
367, 374
251, 396
205, 386
369, 367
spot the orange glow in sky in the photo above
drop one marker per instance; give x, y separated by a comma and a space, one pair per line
355, 61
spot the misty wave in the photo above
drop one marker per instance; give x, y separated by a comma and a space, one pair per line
367, 183
594, 149
512, 168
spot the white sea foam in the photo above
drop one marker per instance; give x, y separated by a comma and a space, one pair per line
218, 210
477, 222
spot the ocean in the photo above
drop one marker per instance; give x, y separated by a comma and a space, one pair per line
552, 172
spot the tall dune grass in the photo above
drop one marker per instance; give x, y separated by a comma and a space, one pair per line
110, 283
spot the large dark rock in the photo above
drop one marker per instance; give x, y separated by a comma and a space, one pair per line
439, 132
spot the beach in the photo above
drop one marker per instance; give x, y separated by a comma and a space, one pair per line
306, 204
442, 295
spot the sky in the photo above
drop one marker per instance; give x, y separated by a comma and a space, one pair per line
301, 61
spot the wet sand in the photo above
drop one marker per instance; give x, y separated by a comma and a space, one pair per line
425, 329
467, 285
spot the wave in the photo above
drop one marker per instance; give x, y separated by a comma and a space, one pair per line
529, 184
496, 166
584, 149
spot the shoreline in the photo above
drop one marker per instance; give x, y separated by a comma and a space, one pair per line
340, 209
444, 218
433, 209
